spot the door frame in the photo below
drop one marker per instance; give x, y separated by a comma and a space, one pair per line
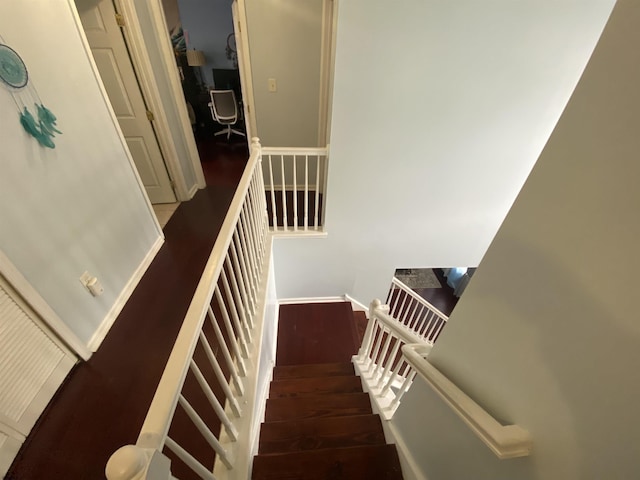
147, 78
239, 12
327, 67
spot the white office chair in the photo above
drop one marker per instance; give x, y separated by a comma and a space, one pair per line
224, 110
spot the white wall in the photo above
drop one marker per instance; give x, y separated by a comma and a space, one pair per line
284, 41
78, 207
440, 110
207, 25
547, 333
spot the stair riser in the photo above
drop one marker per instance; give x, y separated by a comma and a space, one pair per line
305, 387
316, 433
318, 370
371, 462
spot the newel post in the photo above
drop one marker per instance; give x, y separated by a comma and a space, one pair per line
136, 463
255, 144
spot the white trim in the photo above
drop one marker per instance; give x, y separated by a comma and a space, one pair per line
39, 305
168, 65
299, 151
290, 301
97, 338
146, 79
192, 191
261, 399
107, 102
326, 69
331, 72
239, 12
410, 468
356, 305
298, 233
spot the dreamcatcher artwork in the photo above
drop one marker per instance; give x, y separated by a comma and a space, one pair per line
37, 120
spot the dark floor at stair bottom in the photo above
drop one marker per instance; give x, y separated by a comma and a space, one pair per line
318, 422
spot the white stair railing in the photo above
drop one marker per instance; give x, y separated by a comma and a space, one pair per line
217, 344
379, 362
392, 355
295, 180
413, 311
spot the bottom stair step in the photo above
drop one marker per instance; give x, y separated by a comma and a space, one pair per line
322, 432
379, 462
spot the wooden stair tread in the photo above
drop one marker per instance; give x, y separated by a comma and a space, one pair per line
378, 462
336, 405
281, 372
303, 387
320, 432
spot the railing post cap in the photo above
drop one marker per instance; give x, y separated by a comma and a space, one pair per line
255, 140
127, 463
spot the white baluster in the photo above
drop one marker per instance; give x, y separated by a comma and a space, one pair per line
189, 460
205, 432
295, 194
285, 221
240, 264
242, 340
225, 352
232, 337
213, 400
316, 222
403, 389
306, 192
273, 196
245, 316
391, 359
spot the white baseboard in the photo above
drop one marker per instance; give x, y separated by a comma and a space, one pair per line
192, 191
262, 402
96, 339
356, 305
289, 301
410, 468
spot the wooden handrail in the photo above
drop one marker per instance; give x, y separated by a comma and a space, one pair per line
156, 425
506, 441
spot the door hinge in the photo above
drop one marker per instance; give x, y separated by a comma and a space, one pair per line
172, 182
120, 20
150, 116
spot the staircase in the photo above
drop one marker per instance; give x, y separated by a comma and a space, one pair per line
318, 422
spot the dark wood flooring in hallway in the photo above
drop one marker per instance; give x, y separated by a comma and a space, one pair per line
102, 404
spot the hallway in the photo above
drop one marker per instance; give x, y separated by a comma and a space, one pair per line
103, 402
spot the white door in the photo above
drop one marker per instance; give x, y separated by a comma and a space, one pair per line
114, 64
33, 364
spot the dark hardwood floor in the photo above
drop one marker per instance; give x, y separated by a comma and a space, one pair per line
103, 402
318, 422
441, 298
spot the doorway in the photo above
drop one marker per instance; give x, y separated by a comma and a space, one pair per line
111, 56
203, 36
